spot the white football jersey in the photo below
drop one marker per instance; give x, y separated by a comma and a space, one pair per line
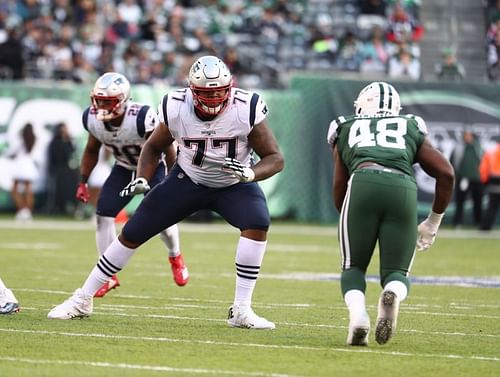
126, 141
203, 145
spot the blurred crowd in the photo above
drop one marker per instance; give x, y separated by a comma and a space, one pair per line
493, 39
153, 41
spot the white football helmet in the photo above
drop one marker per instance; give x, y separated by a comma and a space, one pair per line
110, 95
378, 98
210, 81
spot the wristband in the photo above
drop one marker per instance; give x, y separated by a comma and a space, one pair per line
435, 218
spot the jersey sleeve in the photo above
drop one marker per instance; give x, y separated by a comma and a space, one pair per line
161, 112
150, 120
258, 109
421, 126
85, 118
333, 130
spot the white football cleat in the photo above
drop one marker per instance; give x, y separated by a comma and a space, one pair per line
243, 316
77, 306
8, 302
388, 308
358, 331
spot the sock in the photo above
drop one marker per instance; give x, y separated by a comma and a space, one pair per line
355, 301
2, 285
111, 262
249, 255
105, 233
170, 238
398, 287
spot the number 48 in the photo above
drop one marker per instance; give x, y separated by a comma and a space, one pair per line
360, 134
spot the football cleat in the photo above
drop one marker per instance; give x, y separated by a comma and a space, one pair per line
388, 308
179, 270
106, 287
244, 317
77, 306
8, 302
358, 331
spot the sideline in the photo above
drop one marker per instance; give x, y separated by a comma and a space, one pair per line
221, 227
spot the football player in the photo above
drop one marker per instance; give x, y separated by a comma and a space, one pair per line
376, 194
122, 126
217, 128
8, 302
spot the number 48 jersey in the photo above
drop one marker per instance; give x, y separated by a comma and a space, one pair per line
125, 141
203, 145
391, 141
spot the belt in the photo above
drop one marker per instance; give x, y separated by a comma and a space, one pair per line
376, 168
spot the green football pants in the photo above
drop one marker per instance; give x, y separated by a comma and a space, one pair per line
379, 206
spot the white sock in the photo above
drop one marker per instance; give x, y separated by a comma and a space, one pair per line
105, 233
111, 262
2, 285
249, 255
355, 301
170, 238
398, 287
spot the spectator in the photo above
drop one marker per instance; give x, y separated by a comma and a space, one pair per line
494, 57
374, 52
404, 65
24, 174
465, 159
489, 171
450, 69
61, 178
403, 27
349, 54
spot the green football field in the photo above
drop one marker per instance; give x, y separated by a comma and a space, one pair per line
448, 326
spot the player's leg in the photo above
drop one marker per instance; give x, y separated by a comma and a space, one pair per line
244, 206
170, 237
398, 234
109, 204
154, 214
358, 227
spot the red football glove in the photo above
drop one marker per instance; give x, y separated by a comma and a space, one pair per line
82, 193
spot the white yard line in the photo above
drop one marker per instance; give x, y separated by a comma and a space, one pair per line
154, 368
291, 229
251, 345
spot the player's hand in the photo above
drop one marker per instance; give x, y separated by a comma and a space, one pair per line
137, 186
82, 193
427, 231
241, 172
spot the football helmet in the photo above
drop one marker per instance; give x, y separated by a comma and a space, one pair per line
210, 81
378, 98
110, 95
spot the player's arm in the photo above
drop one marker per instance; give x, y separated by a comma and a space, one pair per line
263, 142
340, 179
89, 158
159, 142
437, 166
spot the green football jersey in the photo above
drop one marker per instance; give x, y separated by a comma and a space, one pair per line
391, 141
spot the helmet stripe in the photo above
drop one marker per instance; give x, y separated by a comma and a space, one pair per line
381, 99
390, 97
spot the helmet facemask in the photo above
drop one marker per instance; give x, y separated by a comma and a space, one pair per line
210, 81
110, 96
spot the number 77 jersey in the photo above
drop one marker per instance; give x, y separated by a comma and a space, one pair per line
203, 145
391, 141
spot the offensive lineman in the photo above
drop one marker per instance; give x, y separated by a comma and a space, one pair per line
217, 128
376, 194
122, 126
